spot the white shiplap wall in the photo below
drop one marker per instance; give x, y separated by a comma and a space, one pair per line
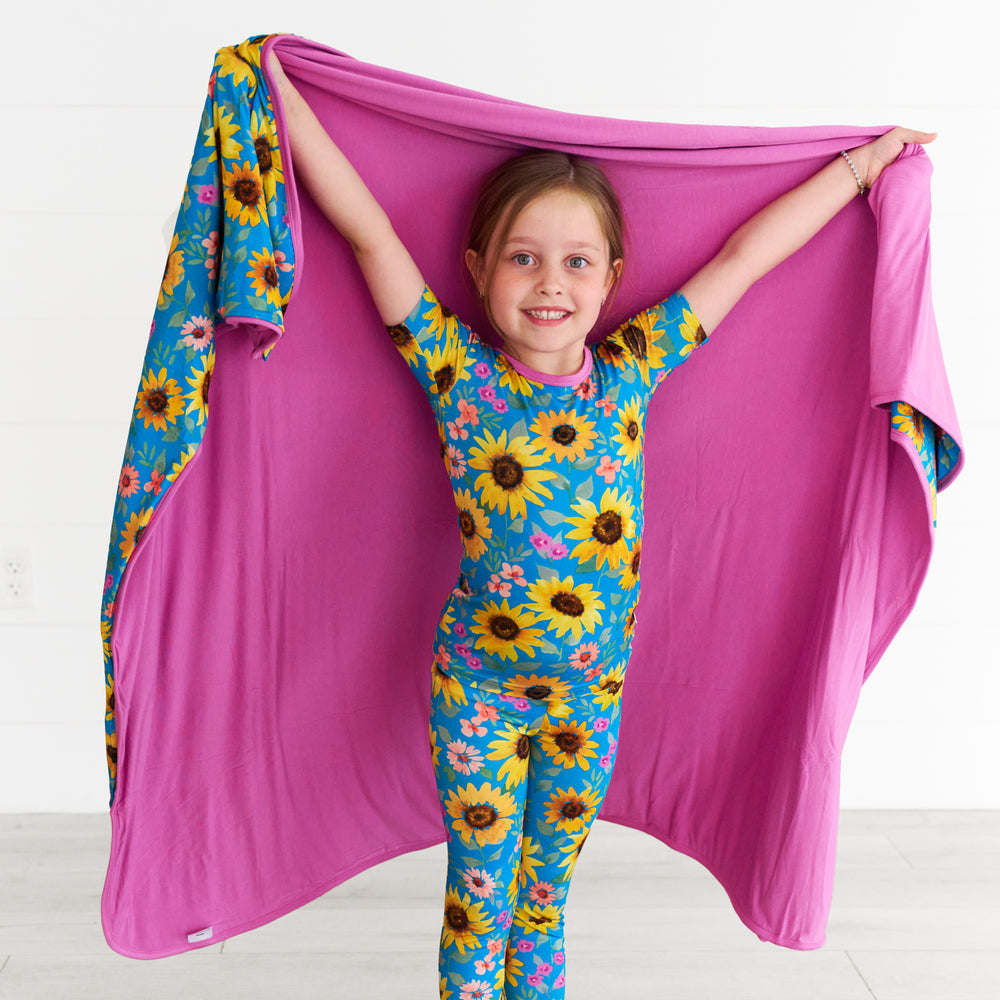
100, 107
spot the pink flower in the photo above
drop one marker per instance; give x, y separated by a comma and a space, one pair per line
476, 989
606, 404
559, 957
559, 981
470, 728
525, 946
612, 744
601, 724
542, 892
480, 883
558, 551
584, 655
543, 968
462, 649
459, 630
484, 712
494, 945
607, 468
473, 662
464, 758
586, 389
514, 573
534, 979
456, 430
208, 194
469, 411
541, 541
605, 761
482, 369
488, 393
500, 405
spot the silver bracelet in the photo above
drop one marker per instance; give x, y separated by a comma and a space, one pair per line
861, 184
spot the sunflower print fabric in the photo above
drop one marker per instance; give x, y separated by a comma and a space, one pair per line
230, 258
533, 643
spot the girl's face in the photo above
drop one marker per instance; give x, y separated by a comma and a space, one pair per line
551, 278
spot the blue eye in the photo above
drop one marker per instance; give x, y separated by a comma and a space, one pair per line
577, 263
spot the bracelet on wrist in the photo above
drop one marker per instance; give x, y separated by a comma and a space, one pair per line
861, 184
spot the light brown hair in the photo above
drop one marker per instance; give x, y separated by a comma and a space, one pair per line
514, 184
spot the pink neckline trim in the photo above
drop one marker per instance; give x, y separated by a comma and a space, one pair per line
575, 379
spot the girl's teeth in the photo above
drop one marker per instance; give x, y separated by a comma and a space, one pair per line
547, 313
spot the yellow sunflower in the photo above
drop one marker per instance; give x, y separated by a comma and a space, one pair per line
540, 917
440, 319
639, 339
482, 815
464, 921
173, 272
506, 631
446, 367
542, 687
508, 474
178, 467
159, 401
109, 694
473, 523
513, 966
911, 423
692, 331
111, 746
564, 435
200, 385
569, 811
572, 850
605, 532
106, 638
566, 606
405, 342
446, 685
608, 690
133, 530
629, 427
265, 144
513, 747
264, 272
512, 380
569, 744
531, 858
435, 749
243, 194
233, 61
221, 137
630, 571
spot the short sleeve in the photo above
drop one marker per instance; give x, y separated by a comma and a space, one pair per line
438, 347
653, 343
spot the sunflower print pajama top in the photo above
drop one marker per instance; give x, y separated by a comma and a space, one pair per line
533, 642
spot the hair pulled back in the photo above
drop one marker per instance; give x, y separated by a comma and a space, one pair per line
514, 184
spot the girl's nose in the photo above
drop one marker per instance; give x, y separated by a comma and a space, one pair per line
549, 281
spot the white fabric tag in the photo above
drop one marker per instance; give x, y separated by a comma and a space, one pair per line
203, 935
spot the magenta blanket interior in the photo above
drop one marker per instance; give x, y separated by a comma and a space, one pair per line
273, 632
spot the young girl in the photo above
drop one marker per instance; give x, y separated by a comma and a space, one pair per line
543, 443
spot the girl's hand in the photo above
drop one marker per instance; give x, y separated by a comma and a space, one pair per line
873, 157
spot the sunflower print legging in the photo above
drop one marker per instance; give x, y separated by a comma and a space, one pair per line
521, 774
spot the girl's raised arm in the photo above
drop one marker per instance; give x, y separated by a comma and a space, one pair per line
779, 229
393, 278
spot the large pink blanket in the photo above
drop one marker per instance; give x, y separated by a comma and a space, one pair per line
277, 568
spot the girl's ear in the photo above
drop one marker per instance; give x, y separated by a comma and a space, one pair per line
614, 273
475, 265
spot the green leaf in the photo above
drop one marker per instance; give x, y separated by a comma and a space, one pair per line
585, 490
517, 525
552, 517
520, 429
583, 464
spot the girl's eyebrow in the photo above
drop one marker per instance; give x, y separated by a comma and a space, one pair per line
528, 241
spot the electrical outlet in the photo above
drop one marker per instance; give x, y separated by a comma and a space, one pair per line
15, 577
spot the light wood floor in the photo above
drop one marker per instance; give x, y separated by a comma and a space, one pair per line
916, 916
